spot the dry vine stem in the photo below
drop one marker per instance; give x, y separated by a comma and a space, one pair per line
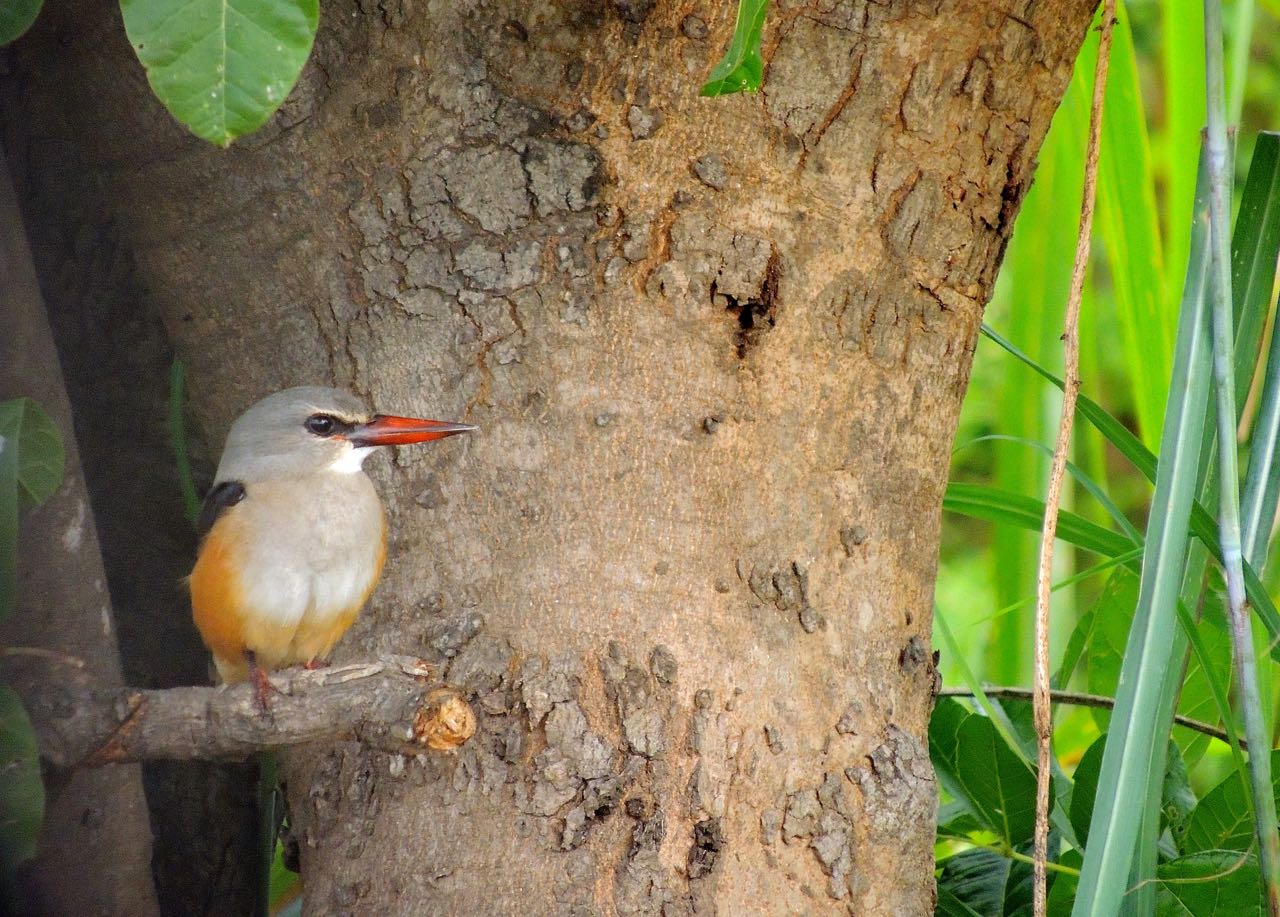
390, 704
1071, 387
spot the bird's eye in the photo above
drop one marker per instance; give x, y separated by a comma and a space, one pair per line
321, 424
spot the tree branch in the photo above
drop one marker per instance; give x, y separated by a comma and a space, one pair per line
391, 704
1080, 699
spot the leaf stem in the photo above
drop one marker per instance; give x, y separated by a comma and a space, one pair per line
1012, 854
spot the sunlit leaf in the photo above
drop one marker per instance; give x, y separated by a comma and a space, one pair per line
976, 765
741, 69
1062, 889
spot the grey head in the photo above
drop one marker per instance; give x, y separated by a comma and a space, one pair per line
287, 435
311, 429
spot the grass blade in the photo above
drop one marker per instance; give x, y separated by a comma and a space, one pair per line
1129, 227
1202, 523
1115, 432
1253, 274
1081, 478
1127, 762
1220, 172
982, 502
1181, 51
1262, 484
178, 441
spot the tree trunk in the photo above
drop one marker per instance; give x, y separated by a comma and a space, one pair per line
94, 848
716, 349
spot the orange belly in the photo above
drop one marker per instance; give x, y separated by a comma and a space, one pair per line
231, 625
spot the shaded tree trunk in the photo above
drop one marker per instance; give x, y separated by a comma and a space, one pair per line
94, 848
716, 349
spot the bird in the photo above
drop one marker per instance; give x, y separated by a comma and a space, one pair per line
292, 533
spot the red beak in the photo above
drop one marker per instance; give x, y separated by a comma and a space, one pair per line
385, 430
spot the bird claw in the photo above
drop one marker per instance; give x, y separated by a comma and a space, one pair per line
262, 686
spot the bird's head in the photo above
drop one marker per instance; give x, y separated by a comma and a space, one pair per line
301, 431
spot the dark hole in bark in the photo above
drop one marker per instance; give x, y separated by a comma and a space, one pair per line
708, 841
912, 655
603, 802
648, 834
755, 316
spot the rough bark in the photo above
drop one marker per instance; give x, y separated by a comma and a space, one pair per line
95, 825
716, 350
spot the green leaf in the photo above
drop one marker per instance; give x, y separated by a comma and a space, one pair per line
1202, 523
221, 67
951, 906
1078, 474
1115, 432
1254, 246
1216, 883
1181, 55
1107, 624
741, 69
16, 16
944, 745
1062, 890
1086, 787
1223, 819
1177, 799
995, 781
31, 460
985, 882
1082, 635
1206, 685
21, 792
33, 443
956, 819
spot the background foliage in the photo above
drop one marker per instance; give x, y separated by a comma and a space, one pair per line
1200, 857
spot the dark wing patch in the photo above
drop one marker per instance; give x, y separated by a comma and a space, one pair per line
216, 502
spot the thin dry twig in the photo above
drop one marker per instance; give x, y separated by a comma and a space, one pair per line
1082, 699
42, 652
1071, 388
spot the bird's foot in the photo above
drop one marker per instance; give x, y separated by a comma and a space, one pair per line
312, 664
262, 686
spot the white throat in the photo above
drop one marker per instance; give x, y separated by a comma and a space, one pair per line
351, 460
